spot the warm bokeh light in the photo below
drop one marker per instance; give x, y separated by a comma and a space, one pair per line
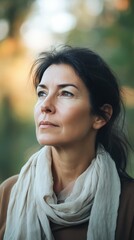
50, 17
121, 4
15, 84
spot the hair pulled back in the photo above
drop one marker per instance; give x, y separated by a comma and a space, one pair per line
103, 89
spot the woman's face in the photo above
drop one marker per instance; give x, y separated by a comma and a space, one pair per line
62, 112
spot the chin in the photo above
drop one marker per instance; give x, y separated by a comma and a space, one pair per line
47, 142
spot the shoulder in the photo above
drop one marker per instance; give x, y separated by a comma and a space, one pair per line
8, 183
127, 190
125, 220
127, 198
5, 190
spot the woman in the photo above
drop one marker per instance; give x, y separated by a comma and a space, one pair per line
75, 187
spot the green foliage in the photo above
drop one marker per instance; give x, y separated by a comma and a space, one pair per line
130, 123
15, 12
15, 138
113, 40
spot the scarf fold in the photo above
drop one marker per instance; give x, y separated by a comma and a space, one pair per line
94, 197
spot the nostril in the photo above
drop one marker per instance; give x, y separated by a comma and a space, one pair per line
47, 109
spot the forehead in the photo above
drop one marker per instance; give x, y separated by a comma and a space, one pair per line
60, 73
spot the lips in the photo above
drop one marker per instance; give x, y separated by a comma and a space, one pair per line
46, 124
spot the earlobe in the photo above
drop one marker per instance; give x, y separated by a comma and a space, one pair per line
99, 120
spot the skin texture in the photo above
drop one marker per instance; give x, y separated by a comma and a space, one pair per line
64, 120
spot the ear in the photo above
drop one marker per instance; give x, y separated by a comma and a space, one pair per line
99, 121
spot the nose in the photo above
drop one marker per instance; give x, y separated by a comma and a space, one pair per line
47, 106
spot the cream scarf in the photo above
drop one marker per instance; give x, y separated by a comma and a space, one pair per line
94, 197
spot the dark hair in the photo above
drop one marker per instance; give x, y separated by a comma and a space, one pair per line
103, 89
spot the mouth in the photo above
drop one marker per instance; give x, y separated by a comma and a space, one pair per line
47, 124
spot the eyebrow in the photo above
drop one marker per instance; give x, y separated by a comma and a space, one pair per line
60, 85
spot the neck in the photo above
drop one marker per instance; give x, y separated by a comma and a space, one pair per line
69, 163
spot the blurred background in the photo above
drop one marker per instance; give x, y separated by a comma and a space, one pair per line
30, 26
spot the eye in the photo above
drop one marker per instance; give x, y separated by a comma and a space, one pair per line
66, 94
41, 94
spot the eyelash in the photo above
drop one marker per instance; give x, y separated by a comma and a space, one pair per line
67, 94
63, 93
41, 94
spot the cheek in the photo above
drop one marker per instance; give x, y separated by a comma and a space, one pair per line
80, 116
36, 113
